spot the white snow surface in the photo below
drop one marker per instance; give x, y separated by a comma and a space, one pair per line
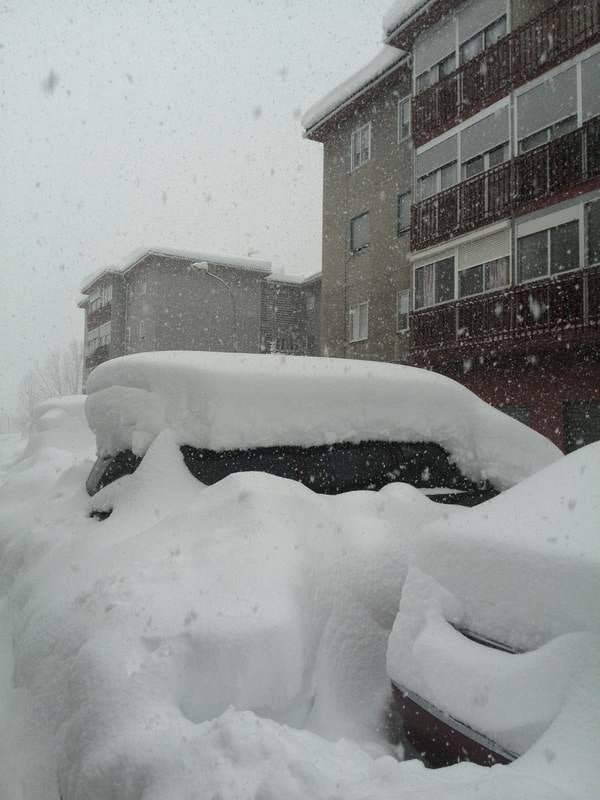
386, 58
522, 569
226, 401
398, 12
225, 641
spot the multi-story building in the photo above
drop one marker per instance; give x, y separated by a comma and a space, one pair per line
173, 300
504, 258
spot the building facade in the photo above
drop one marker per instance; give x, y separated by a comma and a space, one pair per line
169, 300
503, 262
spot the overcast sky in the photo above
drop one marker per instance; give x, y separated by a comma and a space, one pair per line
131, 123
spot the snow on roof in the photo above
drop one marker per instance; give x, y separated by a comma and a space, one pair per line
134, 259
399, 12
225, 401
376, 68
299, 280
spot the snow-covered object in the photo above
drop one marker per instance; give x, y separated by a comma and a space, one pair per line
399, 12
211, 642
226, 401
378, 66
522, 569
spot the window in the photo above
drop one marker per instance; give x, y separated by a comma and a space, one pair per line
482, 40
434, 283
144, 286
548, 134
485, 161
361, 146
549, 252
404, 119
141, 329
403, 212
128, 337
484, 277
359, 232
403, 309
437, 181
310, 302
436, 73
593, 232
359, 322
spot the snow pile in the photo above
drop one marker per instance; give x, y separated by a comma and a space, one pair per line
218, 641
225, 401
378, 66
522, 569
399, 12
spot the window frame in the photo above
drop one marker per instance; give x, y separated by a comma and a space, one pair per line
354, 310
355, 250
548, 130
438, 180
404, 102
548, 232
358, 131
483, 35
399, 294
434, 264
486, 160
482, 265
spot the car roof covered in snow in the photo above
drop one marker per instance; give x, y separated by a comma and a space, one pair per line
224, 401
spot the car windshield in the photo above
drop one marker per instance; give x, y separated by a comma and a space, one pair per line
300, 399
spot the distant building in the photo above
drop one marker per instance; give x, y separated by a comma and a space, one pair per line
461, 211
174, 300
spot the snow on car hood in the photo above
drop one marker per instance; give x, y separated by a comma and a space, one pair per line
226, 401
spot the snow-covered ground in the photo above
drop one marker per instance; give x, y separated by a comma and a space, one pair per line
224, 641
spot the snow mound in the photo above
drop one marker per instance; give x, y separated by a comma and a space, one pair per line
226, 401
522, 569
399, 12
378, 66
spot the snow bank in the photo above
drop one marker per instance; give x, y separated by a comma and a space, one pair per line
216, 641
225, 400
523, 569
383, 61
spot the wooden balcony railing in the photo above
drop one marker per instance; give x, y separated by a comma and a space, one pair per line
99, 316
99, 355
513, 187
543, 309
556, 35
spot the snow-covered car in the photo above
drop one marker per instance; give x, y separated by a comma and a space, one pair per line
335, 425
498, 618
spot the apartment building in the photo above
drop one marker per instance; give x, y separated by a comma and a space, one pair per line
503, 261
175, 300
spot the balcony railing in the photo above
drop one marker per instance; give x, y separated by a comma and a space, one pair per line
99, 355
99, 316
510, 188
564, 304
556, 35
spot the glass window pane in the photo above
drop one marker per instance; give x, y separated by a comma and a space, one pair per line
535, 140
446, 66
471, 48
564, 126
470, 281
533, 256
495, 31
404, 119
363, 324
424, 81
593, 232
359, 232
428, 186
419, 297
403, 309
497, 155
444, 280
403, 212
564, 247
496, 274
474, 167
448, 175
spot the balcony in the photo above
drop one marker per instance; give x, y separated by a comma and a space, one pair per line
552, 170
560, 309
99, 355
556, 35
99, 316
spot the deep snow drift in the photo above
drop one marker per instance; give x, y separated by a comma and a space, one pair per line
214, 642
227, 400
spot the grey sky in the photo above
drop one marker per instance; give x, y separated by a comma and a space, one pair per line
128, 123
